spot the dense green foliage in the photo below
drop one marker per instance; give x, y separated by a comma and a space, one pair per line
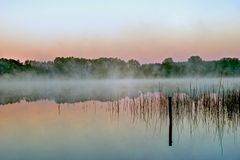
117, 68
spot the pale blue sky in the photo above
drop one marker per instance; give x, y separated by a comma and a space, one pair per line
147, 30
95, 16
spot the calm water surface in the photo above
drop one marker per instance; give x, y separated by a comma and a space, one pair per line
128, 128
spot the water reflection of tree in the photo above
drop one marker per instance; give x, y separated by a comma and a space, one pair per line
216, 110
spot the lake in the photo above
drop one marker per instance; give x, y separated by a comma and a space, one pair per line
191, 118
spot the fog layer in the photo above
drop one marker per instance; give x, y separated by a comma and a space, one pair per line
74, 90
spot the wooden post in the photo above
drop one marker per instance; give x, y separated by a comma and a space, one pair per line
170, 121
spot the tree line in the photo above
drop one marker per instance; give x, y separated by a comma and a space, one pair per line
116, 68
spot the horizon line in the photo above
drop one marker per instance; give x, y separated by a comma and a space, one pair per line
126, 60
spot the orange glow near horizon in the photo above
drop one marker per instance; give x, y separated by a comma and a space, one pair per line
145, 47
148, 31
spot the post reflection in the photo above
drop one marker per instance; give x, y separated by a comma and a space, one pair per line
170, 121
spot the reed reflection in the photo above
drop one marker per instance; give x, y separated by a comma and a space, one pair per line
214, 112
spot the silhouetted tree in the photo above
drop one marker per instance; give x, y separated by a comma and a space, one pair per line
117, 68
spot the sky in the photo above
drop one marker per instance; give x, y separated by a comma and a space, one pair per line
146, 30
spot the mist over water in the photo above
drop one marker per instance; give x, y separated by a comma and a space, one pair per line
75, 90
44, 118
